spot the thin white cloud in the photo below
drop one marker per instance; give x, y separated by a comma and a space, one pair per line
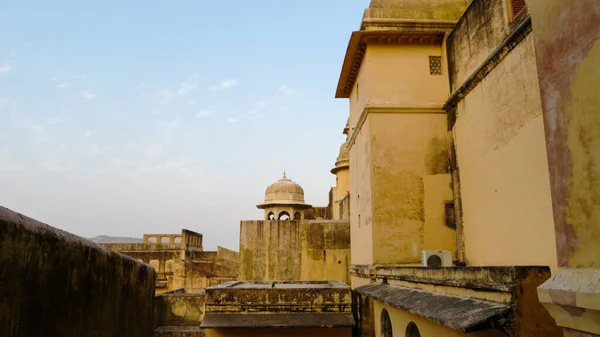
89, 95
256, 108
285, 89
188, 85
203, 113
88, 134
62, 85
153, 152
179, 164
55, 161
96, 150
13, 167
5, 102
6, 67
164, 96
168, 125
55, 164
192, 102
35, 128
224, 85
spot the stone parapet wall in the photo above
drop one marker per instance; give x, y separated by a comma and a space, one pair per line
179, 308
54, 283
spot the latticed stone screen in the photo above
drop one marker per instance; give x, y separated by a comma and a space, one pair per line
435, 65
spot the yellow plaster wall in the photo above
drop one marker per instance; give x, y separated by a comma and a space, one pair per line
361, 233
283, 332
438, 236
339, 191
499, 136
294, 250
400, 144
417, 9
389, 151
399, 74
400, 320
360, 95
357, 281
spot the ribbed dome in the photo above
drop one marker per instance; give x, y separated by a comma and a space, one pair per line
285, 185
284, 192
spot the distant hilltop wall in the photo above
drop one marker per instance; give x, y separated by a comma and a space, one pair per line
54, 283
114, 239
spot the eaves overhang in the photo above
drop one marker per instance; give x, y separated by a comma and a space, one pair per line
462, 314
357, 47
283, 203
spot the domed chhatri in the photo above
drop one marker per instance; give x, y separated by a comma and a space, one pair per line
284, 200
284, 188
343, 159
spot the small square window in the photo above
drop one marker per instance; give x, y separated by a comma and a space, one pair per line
435, 65
450, 215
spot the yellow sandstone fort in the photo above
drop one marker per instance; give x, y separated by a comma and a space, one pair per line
467, 202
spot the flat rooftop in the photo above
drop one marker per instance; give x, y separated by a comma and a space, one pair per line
278, 304
282, 285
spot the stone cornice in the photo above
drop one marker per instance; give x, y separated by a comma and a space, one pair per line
572, 296
433, 108
513, 40
404, 36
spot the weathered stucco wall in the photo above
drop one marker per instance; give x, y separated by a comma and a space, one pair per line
294, 250
437, 235
483, 26
500, 144
360, 197
515, 286
53, 283
567, 42
179, 309
400, 145
396, 121
400, 320
288, 332
341, 189
399, 74
416, 9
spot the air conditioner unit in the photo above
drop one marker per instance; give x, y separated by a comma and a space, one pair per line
436, 258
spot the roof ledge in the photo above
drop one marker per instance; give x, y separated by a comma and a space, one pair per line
462, 314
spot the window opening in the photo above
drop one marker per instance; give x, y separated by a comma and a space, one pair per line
284, 216
412, 330
386, 324
449, 213
435, 65
516, 7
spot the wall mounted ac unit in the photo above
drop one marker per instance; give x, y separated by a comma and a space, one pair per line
436, 258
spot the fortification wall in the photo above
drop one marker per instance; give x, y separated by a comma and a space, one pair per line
54, 283
295, 250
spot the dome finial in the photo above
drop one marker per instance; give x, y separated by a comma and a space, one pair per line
284, 174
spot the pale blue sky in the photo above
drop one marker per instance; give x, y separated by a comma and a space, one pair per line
131, 117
